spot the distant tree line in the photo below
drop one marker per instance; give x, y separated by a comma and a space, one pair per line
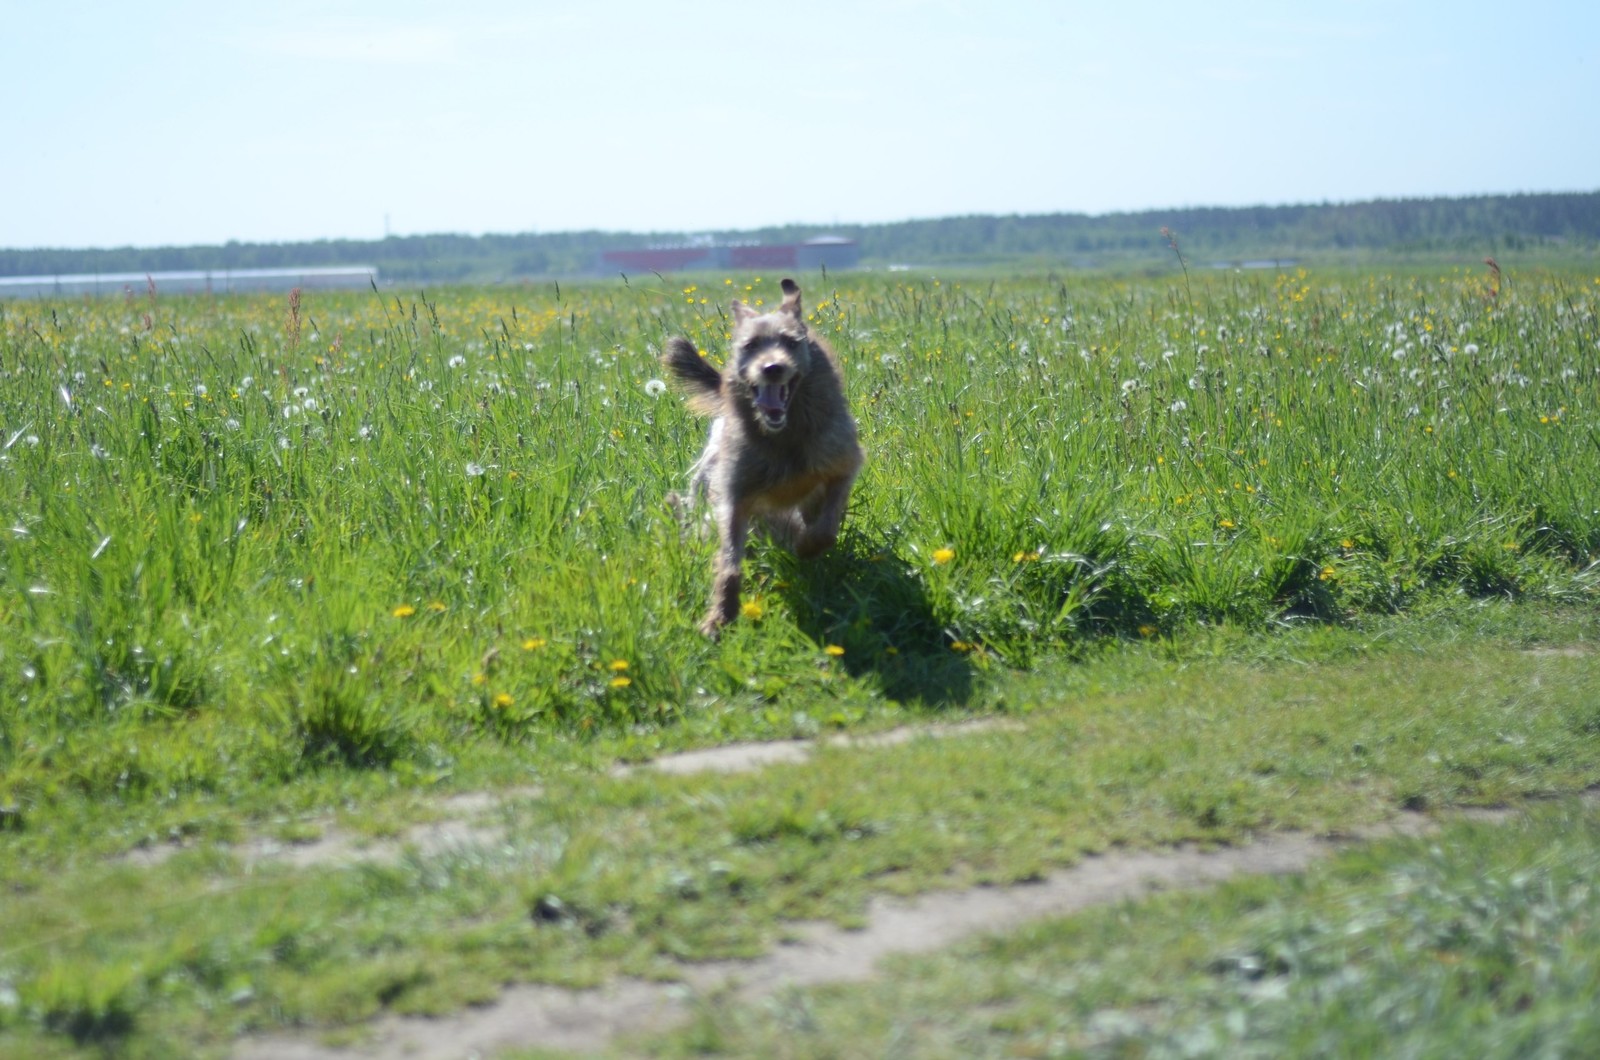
1481, 225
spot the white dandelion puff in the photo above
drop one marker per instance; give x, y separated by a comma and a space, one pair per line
655, 387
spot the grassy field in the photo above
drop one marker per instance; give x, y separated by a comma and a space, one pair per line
270, 558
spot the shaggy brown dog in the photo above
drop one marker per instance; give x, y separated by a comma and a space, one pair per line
782, 446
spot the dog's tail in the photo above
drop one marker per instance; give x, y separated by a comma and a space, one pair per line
703, 382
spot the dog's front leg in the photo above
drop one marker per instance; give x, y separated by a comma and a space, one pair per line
733, 526
822, 528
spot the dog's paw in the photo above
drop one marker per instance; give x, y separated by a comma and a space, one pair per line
813, 545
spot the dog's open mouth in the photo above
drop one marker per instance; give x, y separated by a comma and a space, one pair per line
772, 402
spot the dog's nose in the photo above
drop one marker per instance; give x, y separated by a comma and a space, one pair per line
773, 370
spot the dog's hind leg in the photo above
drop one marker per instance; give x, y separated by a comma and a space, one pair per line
733, 526
784, 527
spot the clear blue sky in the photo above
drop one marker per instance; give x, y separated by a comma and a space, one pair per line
175, 122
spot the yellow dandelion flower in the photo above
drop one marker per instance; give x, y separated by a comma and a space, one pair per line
1226, 524
503, 699
752, 610
1147, 631
1347, 544
437, 606
834, 650
480, 679
943, 555
403, 611
619, 665
621, 682
960, 646
1327, 574
533, 644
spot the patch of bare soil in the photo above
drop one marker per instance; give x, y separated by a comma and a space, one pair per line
464, 820
589, 1020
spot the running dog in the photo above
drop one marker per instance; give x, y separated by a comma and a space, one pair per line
782, 447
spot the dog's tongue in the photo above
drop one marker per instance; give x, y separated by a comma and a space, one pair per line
769, 398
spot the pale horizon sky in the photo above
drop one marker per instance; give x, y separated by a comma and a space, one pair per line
177, 123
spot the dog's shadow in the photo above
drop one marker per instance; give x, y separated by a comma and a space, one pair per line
863, 597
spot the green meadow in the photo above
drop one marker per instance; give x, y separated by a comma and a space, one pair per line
1235, 551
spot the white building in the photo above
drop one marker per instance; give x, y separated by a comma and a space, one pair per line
197, 281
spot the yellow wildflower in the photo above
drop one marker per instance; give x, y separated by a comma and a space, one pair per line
943, 555
403, 611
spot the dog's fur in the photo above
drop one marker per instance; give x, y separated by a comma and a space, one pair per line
783, 443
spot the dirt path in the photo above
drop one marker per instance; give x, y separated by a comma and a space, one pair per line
464, 821
590, 1020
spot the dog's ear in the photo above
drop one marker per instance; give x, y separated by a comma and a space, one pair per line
791, 298
741, 311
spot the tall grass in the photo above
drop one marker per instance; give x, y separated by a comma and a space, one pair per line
248, 539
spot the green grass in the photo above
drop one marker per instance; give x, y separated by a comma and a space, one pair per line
248, 545
266, 563
1481, 941
1144, 746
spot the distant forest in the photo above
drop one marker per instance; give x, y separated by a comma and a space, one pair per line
1490, 224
